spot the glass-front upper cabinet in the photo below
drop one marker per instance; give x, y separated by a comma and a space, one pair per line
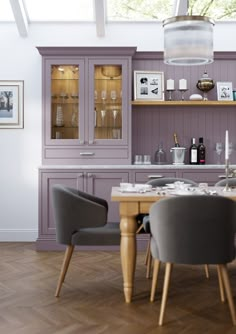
86, 105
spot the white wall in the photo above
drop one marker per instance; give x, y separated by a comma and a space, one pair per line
21, 148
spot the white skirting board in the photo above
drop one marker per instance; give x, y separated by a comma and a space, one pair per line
15, 235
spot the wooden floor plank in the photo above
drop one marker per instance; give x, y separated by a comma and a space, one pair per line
92, 300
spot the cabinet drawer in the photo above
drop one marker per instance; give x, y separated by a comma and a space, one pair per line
143, 177
203, 176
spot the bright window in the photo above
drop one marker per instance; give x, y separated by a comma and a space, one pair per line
59, 10
6, 11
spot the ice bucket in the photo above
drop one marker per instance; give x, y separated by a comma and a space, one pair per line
178, 155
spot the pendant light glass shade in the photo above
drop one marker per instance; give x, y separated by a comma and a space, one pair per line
188, 40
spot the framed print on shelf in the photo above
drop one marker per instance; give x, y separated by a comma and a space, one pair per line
149, 86
11, 104
224, 91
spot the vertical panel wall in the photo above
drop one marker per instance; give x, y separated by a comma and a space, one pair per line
154, 124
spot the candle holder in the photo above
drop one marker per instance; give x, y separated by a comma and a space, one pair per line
227, 169
169, 91
182, 91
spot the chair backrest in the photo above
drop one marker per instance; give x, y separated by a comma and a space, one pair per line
222, 183
194, 229
74, 209
165, 180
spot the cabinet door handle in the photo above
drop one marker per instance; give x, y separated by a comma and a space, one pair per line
87, 153
158, 176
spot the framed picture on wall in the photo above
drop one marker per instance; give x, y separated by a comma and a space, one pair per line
148, 85
224, 91
11, 104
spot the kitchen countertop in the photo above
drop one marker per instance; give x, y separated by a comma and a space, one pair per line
136, 167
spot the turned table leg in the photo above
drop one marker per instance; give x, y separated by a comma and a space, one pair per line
128, 228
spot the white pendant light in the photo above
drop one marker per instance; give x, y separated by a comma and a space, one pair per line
188, 40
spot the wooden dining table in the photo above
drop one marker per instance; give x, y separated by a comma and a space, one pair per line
132, 204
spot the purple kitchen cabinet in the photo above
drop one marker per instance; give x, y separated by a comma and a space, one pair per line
86, 105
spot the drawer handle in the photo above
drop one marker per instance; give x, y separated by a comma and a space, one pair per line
158, 176
87, 153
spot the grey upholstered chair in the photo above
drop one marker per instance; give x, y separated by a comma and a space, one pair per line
193, 230
80, 219
222, 183
146, 222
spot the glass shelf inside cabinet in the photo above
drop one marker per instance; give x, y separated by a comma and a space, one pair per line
108, 101
65, 101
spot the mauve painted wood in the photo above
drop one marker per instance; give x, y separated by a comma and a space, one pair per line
154, 124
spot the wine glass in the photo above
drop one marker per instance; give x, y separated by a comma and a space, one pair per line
113, 95
219, 150
103, 95
103, 115
114, 114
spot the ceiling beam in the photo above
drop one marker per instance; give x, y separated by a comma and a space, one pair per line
19, 13
99, 10
180, 7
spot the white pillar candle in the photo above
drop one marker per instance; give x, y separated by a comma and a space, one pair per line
170, 84
182, 84
226, 145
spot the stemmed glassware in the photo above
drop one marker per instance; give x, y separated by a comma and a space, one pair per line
114, 114
219, 150
103, 95
103, 115
113, 95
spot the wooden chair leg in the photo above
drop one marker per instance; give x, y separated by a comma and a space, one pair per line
207, 271
139, 229
225, 278
221, 286
64, 268
148, 251
165, 291
156, 269
149, 264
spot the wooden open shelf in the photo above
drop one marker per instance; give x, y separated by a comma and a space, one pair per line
184, 103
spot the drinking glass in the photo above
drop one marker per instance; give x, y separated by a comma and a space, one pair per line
113, 95
219, 150
103, 115
114, 114
103, 95
230, 148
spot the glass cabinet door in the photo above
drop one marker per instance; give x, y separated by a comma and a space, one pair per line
109, 96
65, 102
108, 101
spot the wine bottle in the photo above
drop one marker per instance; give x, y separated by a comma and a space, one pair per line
201, 152
193, 152
176, 140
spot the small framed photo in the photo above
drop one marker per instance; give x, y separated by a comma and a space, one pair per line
148, 85
224, 91
11, 104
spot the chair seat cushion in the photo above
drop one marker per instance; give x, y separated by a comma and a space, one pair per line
108, 234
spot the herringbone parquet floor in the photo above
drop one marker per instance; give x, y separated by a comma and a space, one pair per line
92, 299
